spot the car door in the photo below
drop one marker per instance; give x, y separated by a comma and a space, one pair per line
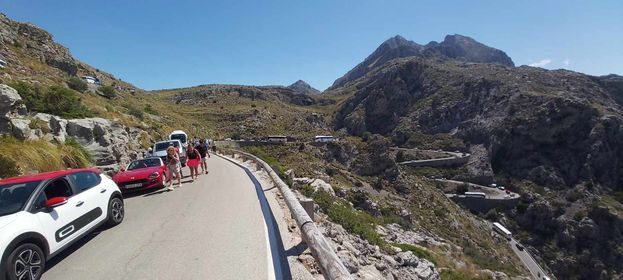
59, 224
93, 197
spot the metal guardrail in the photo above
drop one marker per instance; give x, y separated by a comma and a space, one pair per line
330, 264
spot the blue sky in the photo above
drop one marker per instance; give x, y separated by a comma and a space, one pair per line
169, 44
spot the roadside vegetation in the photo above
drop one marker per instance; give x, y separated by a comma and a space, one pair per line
55, 100
32, 156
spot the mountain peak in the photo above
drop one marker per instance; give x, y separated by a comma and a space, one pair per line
453, 47
301, 86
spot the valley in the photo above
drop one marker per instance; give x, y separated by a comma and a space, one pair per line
408, 120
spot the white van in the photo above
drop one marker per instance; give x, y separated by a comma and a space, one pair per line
179, 135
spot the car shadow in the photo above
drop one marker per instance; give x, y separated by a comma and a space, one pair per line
74, 247
143, 193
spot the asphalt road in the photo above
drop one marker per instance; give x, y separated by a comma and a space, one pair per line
527, 260
209, 229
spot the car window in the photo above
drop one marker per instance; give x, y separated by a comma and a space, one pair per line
14, 196
58, 188
85, 180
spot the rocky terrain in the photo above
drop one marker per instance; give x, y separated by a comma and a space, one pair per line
303, 87
453, 47
555, 136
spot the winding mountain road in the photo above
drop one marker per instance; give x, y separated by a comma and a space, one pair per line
213, 228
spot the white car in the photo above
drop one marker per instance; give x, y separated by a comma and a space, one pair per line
42, 214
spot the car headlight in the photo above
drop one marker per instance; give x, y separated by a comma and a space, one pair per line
153, 175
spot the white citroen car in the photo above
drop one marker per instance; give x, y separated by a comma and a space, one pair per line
42, 214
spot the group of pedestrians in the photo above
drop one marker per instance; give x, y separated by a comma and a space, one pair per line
197, 154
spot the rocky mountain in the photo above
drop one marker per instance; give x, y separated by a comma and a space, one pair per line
301, 86
453, 47
554, 136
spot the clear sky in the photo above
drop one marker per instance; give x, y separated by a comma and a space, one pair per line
167, 44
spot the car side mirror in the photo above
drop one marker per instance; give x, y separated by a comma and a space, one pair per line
55, 202
122, 169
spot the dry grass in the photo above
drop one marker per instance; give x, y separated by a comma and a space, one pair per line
33, 156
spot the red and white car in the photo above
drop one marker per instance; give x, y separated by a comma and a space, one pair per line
144, 173
42, 214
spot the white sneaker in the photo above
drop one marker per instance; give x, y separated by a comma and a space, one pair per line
170, 188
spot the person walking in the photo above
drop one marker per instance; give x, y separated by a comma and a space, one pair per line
172, 162
203, 149
193, 159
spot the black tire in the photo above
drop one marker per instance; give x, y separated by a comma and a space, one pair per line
27, 261
116, 211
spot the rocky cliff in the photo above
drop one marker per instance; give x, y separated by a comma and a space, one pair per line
556, 136
453, 47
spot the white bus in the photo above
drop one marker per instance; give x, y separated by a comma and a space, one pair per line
323, 138
277, 139
502, 230
476, 194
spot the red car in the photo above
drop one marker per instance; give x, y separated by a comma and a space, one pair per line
141, 174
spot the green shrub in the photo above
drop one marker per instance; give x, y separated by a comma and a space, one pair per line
77, 84
355, 222
54, 100
39, 124
150, 110
330, 171
307, 190
138, 113
108, 91
8, 167
365, 136
418, 251
618, 196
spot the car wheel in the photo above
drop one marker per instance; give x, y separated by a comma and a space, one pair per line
27, 261
116, 211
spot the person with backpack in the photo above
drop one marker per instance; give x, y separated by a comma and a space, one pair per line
193, 160
203, 149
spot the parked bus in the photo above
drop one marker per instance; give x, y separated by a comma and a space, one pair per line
502, 230
323, 139
476, 194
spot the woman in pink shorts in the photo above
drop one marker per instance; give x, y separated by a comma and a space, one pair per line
193, 160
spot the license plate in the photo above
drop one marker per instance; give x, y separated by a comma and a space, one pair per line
130, 186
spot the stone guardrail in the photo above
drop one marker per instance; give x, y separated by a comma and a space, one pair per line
330, 264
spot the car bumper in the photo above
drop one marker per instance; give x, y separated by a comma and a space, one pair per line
148, 184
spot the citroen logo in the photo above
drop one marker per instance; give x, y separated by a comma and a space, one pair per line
131, 178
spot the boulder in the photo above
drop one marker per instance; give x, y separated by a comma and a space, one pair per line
10, 102
321, 184
21, 129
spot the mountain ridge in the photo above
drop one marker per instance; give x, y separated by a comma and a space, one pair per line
453, 47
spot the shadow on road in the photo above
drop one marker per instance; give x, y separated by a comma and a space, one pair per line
74, 247
146, 192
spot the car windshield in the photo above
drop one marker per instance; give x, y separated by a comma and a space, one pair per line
180, 137
14, 196
144, 163
161, 146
